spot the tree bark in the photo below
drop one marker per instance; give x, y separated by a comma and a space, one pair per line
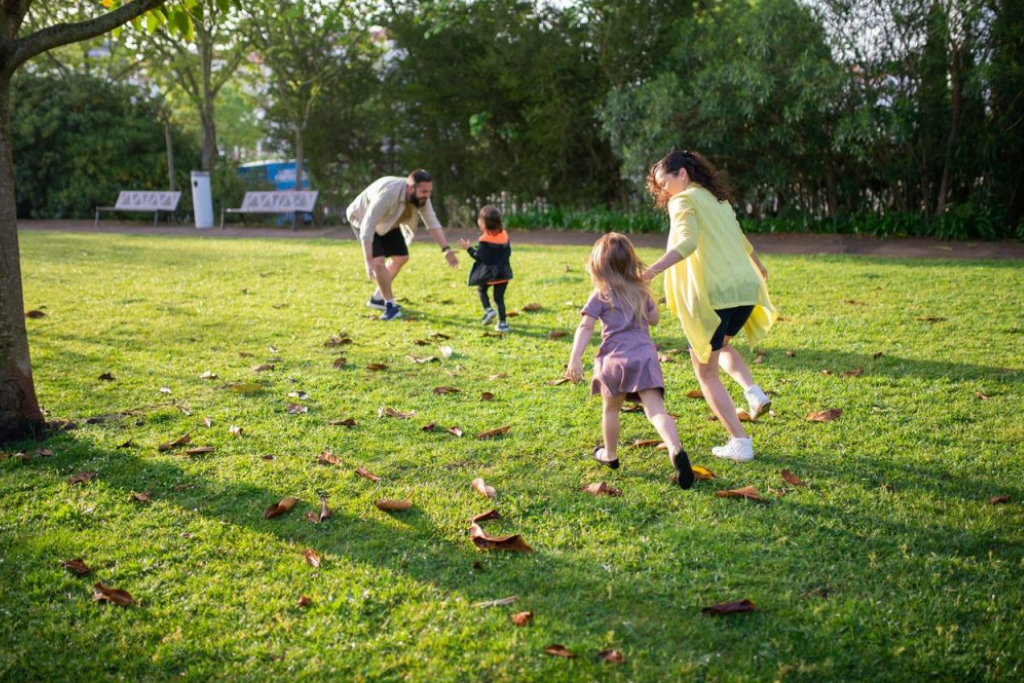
169, 141
20, 415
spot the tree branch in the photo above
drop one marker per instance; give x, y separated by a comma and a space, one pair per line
62, 34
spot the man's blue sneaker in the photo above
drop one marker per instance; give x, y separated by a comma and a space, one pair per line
391, 311
376, 303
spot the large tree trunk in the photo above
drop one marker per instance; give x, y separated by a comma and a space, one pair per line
298, 158
207, 95
19, 410
169, 142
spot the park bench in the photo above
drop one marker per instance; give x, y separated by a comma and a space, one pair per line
132, 200
291, 202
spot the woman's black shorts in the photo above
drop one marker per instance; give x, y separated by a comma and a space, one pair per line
733, 320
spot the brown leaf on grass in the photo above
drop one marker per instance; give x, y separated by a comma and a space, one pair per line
424, 359
512, 314
339, 362
559, 650
530, 308
235, 431
376, 366
826, 372
22, 456
694, 393
393, 505
854, 302
980, 395
335, 340
759, 360
118, 597
856, 372
34, 314
44, 452
702, 473
398, 415
183, 409
729, 608
455, 431
490, 433
263, 368
438, 335
130, 443
347, 422
748, 492
932, 319
421, 342
557, 334
602, 489
268, 456
246, 388
208, 422
513, 543
244, 354
632, 408
304, 601
201, 450
481, 487
82, 477
790, 354
180, 441
77, 565
825, 415
312, 559
877, 355
500, 375
556, 382
296, 409
144, 497
644, 443
611, 656
429, 427
791, 478
484, 516
500, 602
445, 390
328, 458
208, 375
486, 396
363, 472
999, 500
106, 377
278, 509
521, 618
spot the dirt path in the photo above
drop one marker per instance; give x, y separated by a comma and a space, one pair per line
910, 247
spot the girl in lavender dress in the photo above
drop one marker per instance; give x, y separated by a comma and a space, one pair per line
626, 365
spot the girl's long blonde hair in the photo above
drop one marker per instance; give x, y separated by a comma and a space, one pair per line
615, 269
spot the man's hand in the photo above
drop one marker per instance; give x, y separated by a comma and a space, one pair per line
451, 258
371, 274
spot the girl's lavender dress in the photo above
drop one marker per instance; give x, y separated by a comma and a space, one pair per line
627, 361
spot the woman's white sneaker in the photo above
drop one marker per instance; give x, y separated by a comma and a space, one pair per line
740, 450
757, 401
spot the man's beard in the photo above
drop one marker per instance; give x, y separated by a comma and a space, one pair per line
417, 201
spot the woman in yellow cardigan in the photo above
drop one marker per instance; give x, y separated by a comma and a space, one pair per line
714, 284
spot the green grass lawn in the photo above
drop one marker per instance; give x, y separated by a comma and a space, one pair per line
889, 565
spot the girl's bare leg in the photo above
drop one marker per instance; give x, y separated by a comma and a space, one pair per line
654, 406
610, 425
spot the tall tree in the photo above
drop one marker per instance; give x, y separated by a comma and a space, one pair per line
19, 408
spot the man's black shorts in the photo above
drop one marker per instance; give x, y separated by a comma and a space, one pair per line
390, 244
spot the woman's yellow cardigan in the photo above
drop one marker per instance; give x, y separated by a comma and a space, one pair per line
716, 271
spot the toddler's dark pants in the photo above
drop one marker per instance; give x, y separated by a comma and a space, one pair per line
499, 298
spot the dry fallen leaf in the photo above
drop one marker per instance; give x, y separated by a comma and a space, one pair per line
429, 427
482, 488
339, 362
521, 618
44, 452
743, 416
393, 505
235, 430
644, 443
559, 650
602, 489
208, 422
612, 656
328, 458
180, 441
106, 377
363, 472
296, 409
278, 509
118, 597
77, 565
791, 478
556, 382
304, 601
998, 500
702, 473
495, 603
694, 393
486, 396
856, 372
513, 543
34, 314
377, 366
201, 450
493, 432
424, 359
337, 341
347, 422
445, 390
130, 443
729, 608
312, 559
748, 492
825, 415
500, 375
557, 334
263, 368
484, 516
144, 497
208, 375
530, 308
82, 477
980, 395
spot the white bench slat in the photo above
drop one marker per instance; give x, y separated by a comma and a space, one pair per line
287, 201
